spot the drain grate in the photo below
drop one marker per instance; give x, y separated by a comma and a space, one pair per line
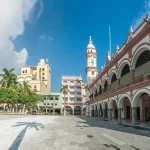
89, 136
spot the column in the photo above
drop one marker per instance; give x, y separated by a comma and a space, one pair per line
109, 87
119, 115
133, 79
94, 113
134, 115
118, 82
98, 113
103, 113
110, 114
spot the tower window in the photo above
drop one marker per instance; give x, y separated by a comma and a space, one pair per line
42, 69
43, 78
42, 73
92, 72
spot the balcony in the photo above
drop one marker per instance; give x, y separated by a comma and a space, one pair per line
144, 79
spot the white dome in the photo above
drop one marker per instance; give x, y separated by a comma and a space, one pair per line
90, 45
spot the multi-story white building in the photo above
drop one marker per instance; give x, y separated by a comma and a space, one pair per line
73, 100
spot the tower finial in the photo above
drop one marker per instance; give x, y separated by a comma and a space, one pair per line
90, 40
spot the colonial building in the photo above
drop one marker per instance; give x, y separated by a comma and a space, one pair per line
38, 77
122, 88
52, 103
74, 98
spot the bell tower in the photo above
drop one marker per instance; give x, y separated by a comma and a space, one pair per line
91, 62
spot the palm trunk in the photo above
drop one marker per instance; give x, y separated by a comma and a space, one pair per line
64, 106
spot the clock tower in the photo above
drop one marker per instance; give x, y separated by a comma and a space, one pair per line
91, 62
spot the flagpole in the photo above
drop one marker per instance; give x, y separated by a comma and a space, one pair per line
110, 40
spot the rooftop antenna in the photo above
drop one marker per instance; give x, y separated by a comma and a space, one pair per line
110, 40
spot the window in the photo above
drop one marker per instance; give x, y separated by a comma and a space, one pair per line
22, 71
78, 99
43, 73
71, 93
51, 98
56, 98
47, 103
55, 104
92, 72
51, 103
43, 78
26, 71
43, 69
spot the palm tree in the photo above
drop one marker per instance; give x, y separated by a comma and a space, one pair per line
8, 78
64, 90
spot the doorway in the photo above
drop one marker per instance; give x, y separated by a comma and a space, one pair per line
128, 112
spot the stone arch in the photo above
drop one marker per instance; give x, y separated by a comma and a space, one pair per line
100, 109
138, 52
137, 96
69, 110
113, 108
77, 110
105, 106
110, 106
123, 63
111, 74
120, 102
105, 88
100, 89
125, 105
103, 81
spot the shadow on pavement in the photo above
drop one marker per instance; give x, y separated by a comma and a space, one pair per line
16, 143
85, 122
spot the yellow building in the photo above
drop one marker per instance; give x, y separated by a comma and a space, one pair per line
39, 77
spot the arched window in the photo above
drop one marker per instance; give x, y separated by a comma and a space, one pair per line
142, 59
105, 86
96, 93
125, 70
114, 78
100, 89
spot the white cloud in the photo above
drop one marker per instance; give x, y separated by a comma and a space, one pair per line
41, 9
45, 37
13, 15
137, 21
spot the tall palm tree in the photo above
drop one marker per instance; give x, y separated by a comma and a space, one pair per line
64, 89
8, 78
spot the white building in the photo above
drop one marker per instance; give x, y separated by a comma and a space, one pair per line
75, 98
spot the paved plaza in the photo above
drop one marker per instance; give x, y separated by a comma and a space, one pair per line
68, 133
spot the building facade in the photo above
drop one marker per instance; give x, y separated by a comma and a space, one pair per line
38, 77
52, 103
73, 99
122, 88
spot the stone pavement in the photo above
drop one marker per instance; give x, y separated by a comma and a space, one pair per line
69, 133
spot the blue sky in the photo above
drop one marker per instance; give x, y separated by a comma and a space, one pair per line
62, 31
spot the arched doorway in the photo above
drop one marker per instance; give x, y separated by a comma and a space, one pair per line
69, 110
105, 109
77, 110
125, 105
114, 108
96, 111
100, 110
141, 105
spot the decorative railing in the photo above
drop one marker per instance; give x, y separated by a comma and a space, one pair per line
117, 89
